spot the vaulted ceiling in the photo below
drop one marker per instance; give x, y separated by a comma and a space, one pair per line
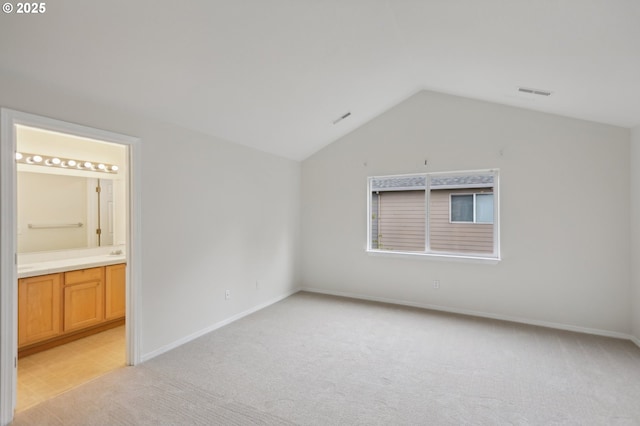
276, 74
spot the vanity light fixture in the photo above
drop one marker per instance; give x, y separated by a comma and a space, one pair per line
55, 161
65, 163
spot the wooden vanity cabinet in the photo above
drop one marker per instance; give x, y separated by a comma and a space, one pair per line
83, 298
115, 291
58, 308
39, 308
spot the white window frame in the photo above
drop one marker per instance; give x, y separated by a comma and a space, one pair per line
492, 258
475, 219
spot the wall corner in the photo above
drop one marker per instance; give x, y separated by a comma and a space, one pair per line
635, 232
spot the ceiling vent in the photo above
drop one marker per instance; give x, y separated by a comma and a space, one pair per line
342, 117
534, 91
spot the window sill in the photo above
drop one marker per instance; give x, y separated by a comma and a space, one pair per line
438, 257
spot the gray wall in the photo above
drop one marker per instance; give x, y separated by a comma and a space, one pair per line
564, 205
215, 216
635, 231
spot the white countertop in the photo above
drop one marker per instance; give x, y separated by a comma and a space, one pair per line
62, 265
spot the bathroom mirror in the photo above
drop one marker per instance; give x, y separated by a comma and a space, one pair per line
60, 212
58, 207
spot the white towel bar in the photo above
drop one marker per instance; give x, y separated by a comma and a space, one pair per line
52, 225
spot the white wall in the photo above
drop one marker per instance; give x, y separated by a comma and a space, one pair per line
44, 142
635, 231
564, 205
215, 216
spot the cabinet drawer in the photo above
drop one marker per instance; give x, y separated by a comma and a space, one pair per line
83, 275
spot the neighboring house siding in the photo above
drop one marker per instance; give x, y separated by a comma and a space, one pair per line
374, 220
401, 220
456, 237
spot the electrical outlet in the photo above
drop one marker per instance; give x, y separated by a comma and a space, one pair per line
227, 294
436, 283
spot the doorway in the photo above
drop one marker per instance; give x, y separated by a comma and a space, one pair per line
13, 122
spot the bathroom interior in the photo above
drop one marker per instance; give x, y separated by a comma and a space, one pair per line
71, 264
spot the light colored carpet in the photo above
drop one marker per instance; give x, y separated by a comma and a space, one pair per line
319, 360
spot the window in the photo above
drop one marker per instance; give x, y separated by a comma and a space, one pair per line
443, 214
471, 208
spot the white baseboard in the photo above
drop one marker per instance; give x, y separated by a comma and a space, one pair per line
193, 336
528, 321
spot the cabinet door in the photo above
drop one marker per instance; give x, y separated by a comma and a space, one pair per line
115, 292
39, 308
83, 305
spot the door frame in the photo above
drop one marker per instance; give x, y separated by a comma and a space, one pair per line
8, 243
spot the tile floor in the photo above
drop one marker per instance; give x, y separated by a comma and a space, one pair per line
46, 374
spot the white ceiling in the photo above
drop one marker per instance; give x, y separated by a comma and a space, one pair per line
275, 74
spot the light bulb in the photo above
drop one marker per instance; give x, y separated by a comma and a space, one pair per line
102, 166
18, 156
114, 168
37, 159
88, 164
52, 161
71, 163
